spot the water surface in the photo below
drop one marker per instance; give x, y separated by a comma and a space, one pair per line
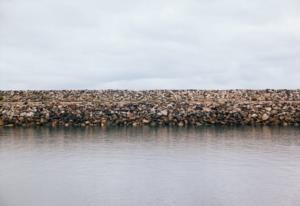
146, 166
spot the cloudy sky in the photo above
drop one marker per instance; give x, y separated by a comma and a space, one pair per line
142, 44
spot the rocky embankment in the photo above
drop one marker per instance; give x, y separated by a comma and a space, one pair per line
154, 107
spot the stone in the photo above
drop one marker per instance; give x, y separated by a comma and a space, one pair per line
54, 124
1, 122
153, 124
265, 117
206, 109
152, 110
254, 115
221, 100
146, 121
29, 114
268, 109
164, 112
198, 124
180, 124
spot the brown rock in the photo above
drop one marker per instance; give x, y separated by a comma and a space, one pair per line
146, 121
164, 112
265, 117
254, 115
180, 124
268, 109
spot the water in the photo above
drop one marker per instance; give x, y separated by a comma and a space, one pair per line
144, 166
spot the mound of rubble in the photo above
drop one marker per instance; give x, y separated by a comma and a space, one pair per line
151, 107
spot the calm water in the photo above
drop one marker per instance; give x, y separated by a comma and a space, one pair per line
143, 166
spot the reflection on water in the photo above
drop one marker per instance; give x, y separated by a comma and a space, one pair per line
147, 166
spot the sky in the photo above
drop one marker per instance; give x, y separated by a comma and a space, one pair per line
142, 44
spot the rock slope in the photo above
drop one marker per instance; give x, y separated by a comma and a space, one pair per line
151, 107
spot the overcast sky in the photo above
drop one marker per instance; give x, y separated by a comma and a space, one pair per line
142, 44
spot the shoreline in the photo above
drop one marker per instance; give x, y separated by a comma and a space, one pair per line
103, 108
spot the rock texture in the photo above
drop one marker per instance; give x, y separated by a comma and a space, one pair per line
152, 107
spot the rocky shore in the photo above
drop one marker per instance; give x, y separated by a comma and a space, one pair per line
152, 107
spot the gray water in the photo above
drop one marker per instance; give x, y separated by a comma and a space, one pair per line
143, 166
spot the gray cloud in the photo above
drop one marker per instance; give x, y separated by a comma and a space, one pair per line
138, 44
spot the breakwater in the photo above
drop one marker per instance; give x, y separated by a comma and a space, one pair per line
151, 107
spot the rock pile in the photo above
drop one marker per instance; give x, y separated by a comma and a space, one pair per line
152, 107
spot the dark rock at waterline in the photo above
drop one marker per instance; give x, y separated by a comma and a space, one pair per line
153, 107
